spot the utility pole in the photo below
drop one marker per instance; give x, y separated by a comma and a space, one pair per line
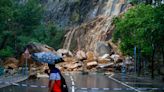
135, 61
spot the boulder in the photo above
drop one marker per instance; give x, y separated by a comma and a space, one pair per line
105, 56
69, 59
102, 48
110, 69
37, 47
91, 64
108, 65
80, 55
64, 53
34, 48
120, 60
104, 61
116, 58
10, 60
11, 65
73, 65
90, 56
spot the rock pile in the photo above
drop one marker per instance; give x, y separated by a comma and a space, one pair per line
89, 61
80, 60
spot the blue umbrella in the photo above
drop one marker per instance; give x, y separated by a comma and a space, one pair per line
47, 57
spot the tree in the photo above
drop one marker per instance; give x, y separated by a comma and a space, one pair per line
18, 19
22, 22
141, 27
159, 19
49, 34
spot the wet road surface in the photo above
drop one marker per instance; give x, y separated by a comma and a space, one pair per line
140, 84
92, 82
95, 83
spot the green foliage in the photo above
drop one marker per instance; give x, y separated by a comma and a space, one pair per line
29, 15
159, 20
141, 27
49, 34
7, 52
21, 23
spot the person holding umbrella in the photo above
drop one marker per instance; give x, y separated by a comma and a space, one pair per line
56, 80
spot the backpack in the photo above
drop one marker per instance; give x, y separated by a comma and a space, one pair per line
64, 87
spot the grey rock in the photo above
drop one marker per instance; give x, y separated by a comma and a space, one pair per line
102, 48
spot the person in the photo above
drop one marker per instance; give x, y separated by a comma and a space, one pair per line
54, 79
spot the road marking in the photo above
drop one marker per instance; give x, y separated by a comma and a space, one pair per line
123, 83
95, 88
73, 83
105, 88
84, 88
24, 85
73, 87
16, 84
43, 86
117, 88
33, 86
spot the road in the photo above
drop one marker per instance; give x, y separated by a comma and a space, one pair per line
93, 82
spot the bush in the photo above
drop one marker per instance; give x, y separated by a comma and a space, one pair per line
6, 52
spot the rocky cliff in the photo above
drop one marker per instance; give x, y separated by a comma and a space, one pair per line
67, 13
92, 33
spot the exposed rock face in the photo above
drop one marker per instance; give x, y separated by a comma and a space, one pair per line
98, 29
90, 26
89, 35
88, 22
74, 12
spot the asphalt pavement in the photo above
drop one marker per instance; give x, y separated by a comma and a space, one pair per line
92, 82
